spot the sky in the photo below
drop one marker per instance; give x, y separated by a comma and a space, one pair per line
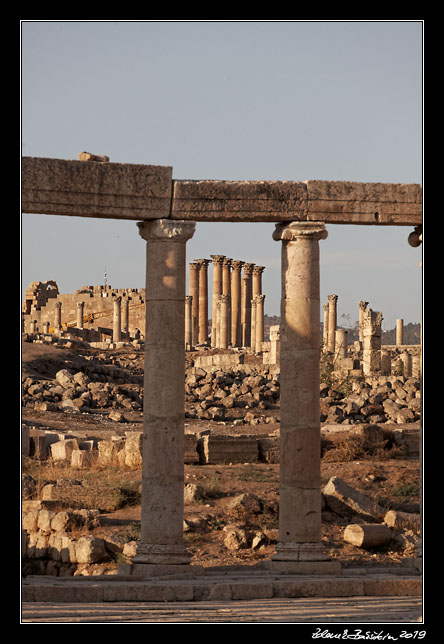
230, 100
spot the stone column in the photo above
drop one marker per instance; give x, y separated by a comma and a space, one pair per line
341, 343
117, 333
257, 280
248, 272
125, 314
80, 307
203, 300
399, 331
217, 290
332, 317
253, 325
193, 290
45, 327
325, 329
259, 322
188, 322
164, 394
371, 353
362, 307
386, 363
300, 450
58, 317
236, 337
224, 302
226, 290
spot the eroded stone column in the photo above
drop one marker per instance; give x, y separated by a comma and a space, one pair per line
203, 300
117, 332
226, 290
341, 344
257, 280
325, 329
300, 449
399, 331
236, 336
188, 322
80, 308
224, 303
193, 289
260, 299
246, 313
164, 391
253, 325
217, 290
58, 317
332, 318
371, 353
125, 314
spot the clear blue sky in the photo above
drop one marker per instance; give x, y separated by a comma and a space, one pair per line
240, 100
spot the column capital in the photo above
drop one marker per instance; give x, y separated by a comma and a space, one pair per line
221, 299
294, 229
363, 305
194, 266
236, 264
248, 268
260, 298
203, 262
227, 261
217, 259
188, 298
325, 306
332, 298
166, 230
258, 270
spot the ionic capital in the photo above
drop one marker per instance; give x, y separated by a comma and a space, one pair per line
166, 230
295, 229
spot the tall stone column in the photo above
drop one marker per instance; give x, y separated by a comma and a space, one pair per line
332, 319
193, 289
203, 300
253, 325
226, 290
259, 321
224, 302
164, 386
399, 331
246, 314
125, 314
257, 280
362, 307
325, 329
300, 449
80, 307
117, 333
217, 290
341, 344
58, 317
371, 353
188, 322
236, 337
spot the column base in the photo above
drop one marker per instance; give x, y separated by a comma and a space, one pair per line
164, 554
288, 551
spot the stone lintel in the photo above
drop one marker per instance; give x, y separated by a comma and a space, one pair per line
91, 189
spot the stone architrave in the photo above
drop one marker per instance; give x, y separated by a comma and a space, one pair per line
246, 313
203, 300
260, 299
236, 338
80, 308
332, 318
164, 393
399, 332
117, 327
217, 290
362, 307
188, 322
325, 329
300, 466
371, 353
194, 293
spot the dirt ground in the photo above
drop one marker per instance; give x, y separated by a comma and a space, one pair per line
385, 475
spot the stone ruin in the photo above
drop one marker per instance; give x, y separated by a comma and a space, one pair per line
166, 212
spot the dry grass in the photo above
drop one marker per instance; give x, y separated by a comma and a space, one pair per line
345, 448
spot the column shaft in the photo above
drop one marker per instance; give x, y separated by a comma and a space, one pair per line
203, 300
164, 392
236, 336
217, 290
259, 322
193, 289
332, 318
117, 328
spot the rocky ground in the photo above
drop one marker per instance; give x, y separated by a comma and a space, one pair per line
231, 510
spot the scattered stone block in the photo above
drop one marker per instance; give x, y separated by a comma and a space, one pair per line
345, 501
219, 448
367, 535
62, 450
403, 520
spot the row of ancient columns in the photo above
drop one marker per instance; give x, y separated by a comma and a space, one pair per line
120, 317
163, 424
237, 311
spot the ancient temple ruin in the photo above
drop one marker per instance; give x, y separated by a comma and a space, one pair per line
167, 211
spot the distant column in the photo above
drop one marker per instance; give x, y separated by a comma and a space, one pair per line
80, 307
58, 316
188, 322
226, 290
257, 280
332, 317
362, 307
253, 325
125, 314
117, 334
224, 301
341, 343
248, 272
259, 322
236, 336
371, 354
193, 289
325, 329
217, 290
399, 331
203, 300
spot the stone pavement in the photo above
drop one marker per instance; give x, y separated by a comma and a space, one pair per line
313, 610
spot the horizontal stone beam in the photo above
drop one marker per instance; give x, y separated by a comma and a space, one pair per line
91, 189
139, 192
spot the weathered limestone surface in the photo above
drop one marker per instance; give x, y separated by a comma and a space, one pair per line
90, 189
